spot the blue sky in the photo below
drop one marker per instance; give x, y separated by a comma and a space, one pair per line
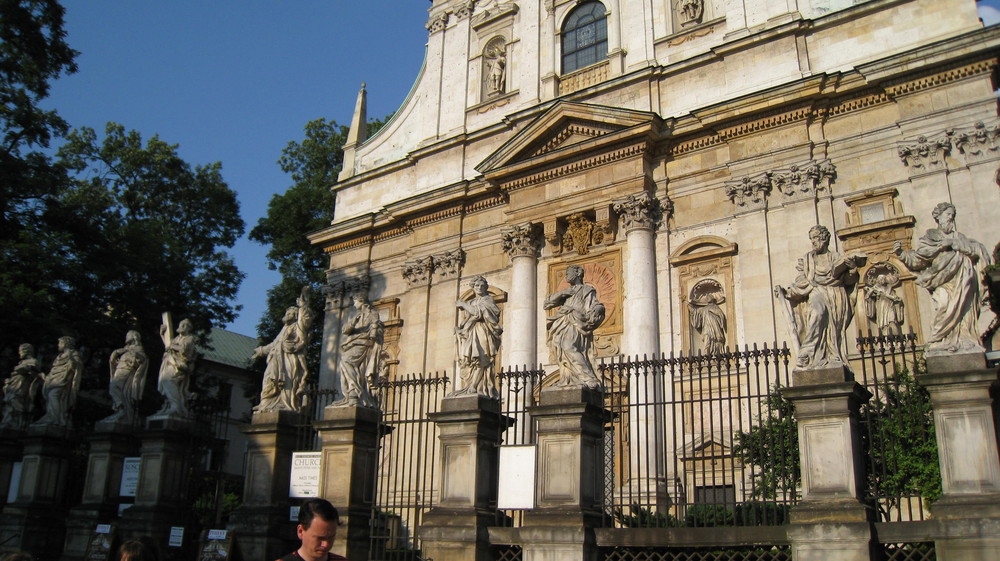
236, 80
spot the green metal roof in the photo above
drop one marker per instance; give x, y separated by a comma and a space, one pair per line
226, 347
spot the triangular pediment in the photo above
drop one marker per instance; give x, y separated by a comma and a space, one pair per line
567, 125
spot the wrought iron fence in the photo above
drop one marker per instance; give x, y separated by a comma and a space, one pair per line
407, 482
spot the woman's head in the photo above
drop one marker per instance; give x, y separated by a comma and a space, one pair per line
137, 550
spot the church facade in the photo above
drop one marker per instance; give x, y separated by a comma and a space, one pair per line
679, 151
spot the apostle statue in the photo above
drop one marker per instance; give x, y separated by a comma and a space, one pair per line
949, 265
478, 335
362, 352
709, 321
284, 387
61, 385
820, 304
176, 368
571, 332
883, 306
20, 389
129, 365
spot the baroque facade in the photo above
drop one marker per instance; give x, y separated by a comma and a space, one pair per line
679, 151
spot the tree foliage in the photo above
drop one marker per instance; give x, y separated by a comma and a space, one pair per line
308, 205
772, 446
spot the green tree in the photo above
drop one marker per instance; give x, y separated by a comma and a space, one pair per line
313, 164
772, 447
33, 52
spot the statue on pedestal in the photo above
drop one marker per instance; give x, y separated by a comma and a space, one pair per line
176, 368
128, 378
478, 335
949, 265
571, 332
820, 304
61, 384
284, 387
20, 389
362, 351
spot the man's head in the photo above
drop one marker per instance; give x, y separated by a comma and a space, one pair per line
318, 521
944, 215
574, 274
67, 343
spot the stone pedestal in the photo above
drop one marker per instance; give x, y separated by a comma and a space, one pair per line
11, 451
261, 524
99, 504
830, 523
968, 513
569, 476
161, 499
36, 520
350, 438
457, 528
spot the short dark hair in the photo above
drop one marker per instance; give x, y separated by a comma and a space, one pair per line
317, 507
139, 549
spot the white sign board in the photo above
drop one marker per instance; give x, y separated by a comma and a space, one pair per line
216, 534
103, 529
517, 478
15, 482
130, 477
305, 474
293, 514
176, 538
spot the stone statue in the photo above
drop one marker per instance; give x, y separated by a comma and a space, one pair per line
362, 352
129, 365
61, 385
496, 78
478, 335
175, 370
284, 387
571, 331
820, 304
883, 306
949, 266
710, 322
20, 389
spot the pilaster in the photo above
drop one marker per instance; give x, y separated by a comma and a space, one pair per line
261, 524
457, 528
349, 438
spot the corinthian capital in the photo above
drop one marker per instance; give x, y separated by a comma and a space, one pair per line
521, 240
639, 211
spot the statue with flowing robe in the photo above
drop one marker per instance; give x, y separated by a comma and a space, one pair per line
284, 387
128, 379
175, 370
478, 335
570, 335
361, 355
20, 390
949, 265
61, 385
820, 303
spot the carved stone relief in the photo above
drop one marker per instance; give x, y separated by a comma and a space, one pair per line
883, 306
418, 272
925, 154
977, 142
639, 211
437, 22
707, 317
689, 12
798, 181
338, 292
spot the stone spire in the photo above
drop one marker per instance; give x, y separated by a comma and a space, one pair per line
357, 134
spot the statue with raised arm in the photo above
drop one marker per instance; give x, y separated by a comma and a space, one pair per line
362, 352
20, 389
883, 306
284, 387
128, 379
61, 385
478, 335
571, 332
949, 265
819, 305
175, 370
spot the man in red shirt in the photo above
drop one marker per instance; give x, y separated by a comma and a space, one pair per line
318, 521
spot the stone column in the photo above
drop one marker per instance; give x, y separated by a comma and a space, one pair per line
36, 520
640, 214
968, 512
457, 528
830, 523
569, 476
99, 505
350, 440
521, 243
161, 499
261, 524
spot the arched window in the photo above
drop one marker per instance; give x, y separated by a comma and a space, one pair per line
584, 36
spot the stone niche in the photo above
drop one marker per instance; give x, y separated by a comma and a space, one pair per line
705, 268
